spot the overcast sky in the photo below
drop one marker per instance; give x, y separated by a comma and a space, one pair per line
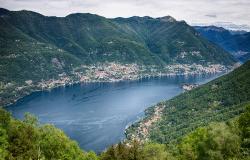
192, 11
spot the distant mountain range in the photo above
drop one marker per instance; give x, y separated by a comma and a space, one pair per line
227, 25
235, 42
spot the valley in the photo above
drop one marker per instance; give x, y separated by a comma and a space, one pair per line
40, 52
88, 87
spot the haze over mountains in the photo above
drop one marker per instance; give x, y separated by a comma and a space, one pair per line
235, 42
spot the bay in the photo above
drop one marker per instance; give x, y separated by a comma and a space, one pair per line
96, 114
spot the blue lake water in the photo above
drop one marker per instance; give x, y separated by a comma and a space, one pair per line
96, 114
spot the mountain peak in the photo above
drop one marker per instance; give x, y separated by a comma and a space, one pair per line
212, 28
167, 19
3, 11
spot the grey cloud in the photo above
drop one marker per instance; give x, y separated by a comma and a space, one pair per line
211, 15
192, 11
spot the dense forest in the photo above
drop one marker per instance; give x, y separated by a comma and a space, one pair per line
209, 122
217, 101
217, 141
27, 139
36, 49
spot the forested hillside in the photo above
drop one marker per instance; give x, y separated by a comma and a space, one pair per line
216, 141
216, 101
93, 38
40, 52
27, 139
209, 122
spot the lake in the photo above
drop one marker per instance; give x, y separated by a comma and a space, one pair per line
96, 114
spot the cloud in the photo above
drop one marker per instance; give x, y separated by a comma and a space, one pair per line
211, 15
192, 11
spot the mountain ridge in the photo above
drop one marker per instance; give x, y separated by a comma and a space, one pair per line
235, 42
43, 49
42, 28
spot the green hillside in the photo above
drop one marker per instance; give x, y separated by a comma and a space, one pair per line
216, 101
27, 139
37, 50
23, 57
168, 39
93, 38
216, 141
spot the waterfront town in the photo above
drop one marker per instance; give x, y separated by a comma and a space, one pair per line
142, 130
113, 72
106, 72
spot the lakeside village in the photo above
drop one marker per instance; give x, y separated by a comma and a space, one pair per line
141, 128
107, 72
114, 72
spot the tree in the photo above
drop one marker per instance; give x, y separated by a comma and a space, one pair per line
190, 144
109, 154
217, 141
4, 118
244, 125
154, 151
221, 143
23, 141
135, 152
30, 119
3, 144
91, 156
54, 144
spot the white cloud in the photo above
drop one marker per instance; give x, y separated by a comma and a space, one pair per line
192, 11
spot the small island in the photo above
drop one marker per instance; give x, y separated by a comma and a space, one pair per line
189, 87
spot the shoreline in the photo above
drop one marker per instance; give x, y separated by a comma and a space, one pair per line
107, 81
110, 73
140, 128
138, 119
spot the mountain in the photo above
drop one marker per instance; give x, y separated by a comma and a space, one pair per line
217, 101
227, 25
237, 43
92, 38
40, 52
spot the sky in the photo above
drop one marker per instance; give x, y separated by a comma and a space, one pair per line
192, 11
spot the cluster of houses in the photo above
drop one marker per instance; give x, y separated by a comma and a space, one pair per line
112, 72
142, 131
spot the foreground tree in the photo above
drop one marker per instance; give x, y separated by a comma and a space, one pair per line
244, 125
25, 140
